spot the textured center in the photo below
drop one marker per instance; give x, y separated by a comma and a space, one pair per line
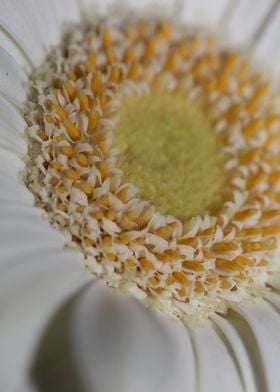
171, 154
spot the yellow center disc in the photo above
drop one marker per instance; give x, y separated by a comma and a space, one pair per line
170, 152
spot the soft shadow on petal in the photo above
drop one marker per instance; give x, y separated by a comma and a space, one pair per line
119, 344
12, 126
233, 343
205, 12
30, 293
34, 25
102, 341
215, 366
24, 235
8, 44
143, 8
12, 77
52, 367
245, 19
66, 10
258, 326
16, 20
266, 49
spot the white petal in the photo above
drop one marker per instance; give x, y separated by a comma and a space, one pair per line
66, 10
12, 77
16, 19
119, 345
29, 295
259, 326
266, 49
274, 280
98, 7
183, 375
204, 11
233, 341
216, 369
35, 24
164, 8
12, 192
20, 224
245, 20
12, 128
11, 47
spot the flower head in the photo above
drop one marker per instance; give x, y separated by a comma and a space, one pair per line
156, 150
152, 148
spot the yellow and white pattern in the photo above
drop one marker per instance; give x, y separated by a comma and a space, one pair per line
185, 267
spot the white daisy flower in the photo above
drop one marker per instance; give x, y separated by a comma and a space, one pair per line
139, 150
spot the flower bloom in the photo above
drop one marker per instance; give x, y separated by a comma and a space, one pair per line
154, 151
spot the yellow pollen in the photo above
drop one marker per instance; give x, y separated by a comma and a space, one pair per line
72, 76
92, 121
145, 264
165, 30
150, 49
70, 90
111, 56
107, 38
62, 189
62, 207
228, 264
42, 135
181, 278
82, 160
133, 71
72, 130
57, 165
170, 154
71, 174
115, 74
96, 82
198, 267
50, 119
68, 151
129, 55
84, 102
60, 112
225, 284
171, 62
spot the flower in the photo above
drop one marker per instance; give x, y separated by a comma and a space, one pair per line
241, 240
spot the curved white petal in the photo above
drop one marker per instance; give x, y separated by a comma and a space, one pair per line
29, 295
274, 298
258, 326
267, 46
12, 127
8, 44
245, 20
209, 13
274, 280
36, 24
16, 19
116, 344
163, 8
12, 77
66, 10
236, 349
216, 369
184, 372
119, 345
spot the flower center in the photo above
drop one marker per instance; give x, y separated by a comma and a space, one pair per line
170, 152
172, 148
